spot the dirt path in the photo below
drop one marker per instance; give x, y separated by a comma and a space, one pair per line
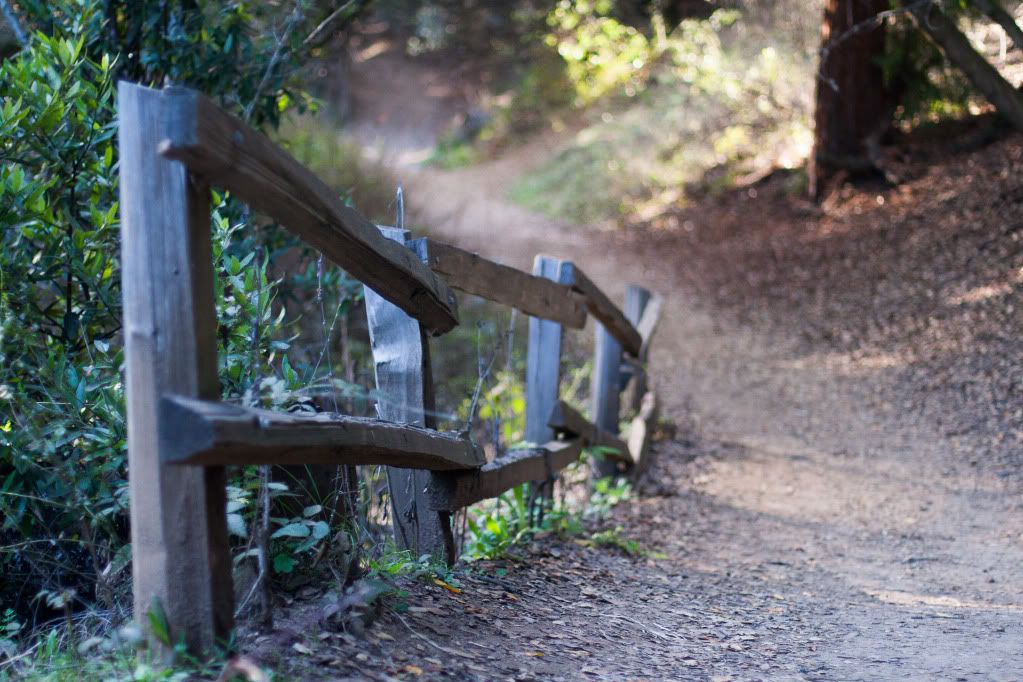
812, 537
808, 529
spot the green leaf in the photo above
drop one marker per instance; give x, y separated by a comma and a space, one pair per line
157, 619
284, 563
236, 525
292, 530
493, 526
121, 559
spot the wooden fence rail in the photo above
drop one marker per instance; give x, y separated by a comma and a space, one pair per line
174, 145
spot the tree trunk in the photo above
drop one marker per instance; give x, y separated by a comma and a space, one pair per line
853, 106
981, 74
997, 14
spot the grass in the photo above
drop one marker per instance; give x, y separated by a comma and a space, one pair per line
56, 657
497, 527
453, 152
613, 538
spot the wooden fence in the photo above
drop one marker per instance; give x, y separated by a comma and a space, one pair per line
174, 145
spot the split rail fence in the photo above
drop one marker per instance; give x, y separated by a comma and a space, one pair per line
174, 145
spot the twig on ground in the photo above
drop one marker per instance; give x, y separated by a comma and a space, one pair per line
432, 643
668, 638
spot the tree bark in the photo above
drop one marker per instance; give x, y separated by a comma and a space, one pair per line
853, 105
982, 75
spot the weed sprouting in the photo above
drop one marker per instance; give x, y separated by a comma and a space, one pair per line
497, 526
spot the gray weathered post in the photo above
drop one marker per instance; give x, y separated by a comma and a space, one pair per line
604, 387
180, 551
543, 358
401, 359
636, 299
607, 382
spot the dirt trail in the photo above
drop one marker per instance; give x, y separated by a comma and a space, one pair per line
809, 531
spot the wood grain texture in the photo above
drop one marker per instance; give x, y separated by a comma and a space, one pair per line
229, 154
641, 433
401, 366
608, 314
452, 491
532, 295
201, 432
568, 422
605, 387
180, 549
633, 370
543, 356
648, 323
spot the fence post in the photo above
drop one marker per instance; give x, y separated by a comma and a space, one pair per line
636, 299
543, 358
401, 360
607, 383
180, 552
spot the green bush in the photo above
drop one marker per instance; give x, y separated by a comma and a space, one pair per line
713, 94
63, 493
601, 53
63, 490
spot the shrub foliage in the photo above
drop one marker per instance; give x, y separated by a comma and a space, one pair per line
63, 487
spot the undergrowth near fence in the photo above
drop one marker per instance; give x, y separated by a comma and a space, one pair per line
63, 493
498, 527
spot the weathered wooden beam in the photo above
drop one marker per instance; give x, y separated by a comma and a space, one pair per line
641, 434
567, 421
634, 376
401, 363
648, 323
534, 296
229, 154
605, 389
209, 433
608, 314
452, 491
181, 556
